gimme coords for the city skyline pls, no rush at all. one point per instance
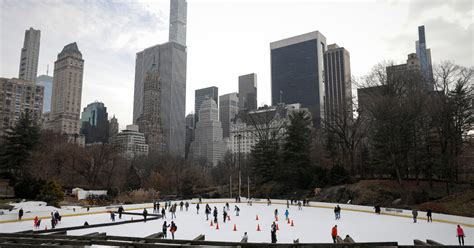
(109, 72)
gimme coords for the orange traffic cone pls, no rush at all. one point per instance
(288, 221)
(258, 228)
(235, 228)
(217, 226)
(292, 223)
(257, 217)
(278, 227)
(228, 217)
(211, 223)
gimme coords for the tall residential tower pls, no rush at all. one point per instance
(248, 91)
(30, 55)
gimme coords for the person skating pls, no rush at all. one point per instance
(145, 214)
(154, 207)
(414, 213)
(377, 209)
(173, 211)
(269, 202)
(299, 205)
(164, 229)
(207, 211)
(338, 212)
(181, 206)
(287, 204)
(186, 205)
(276, 213)
(429, 213)
(237, 210)
(158, 207)
(35, 221)
(163, 213)
(197, 208)
(245, 238)
(112, 216)
(225, 215)
(334, 234)
(273, 233)
(335, 213)
(460, 234)
(287, 214)
(173, 228)
(20, 213)
(227, 206)
(215, 214)
(166, 205)
(120, 211)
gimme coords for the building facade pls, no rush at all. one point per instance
(248, 92)
(338, 86)
(189, 133)
(95, 124)
(200, 95)
(30, 55)
(228, 109)
(67, 91)
(18, 96)
(130, 143)
(47, 82)
(297, 72)
(246, 127)
(113, 129)
(208, 141)
(170, 59)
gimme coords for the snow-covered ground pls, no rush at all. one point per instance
(311, 225)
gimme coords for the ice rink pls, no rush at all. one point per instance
(311, 224)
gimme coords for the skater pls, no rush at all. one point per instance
(227, 206)
(276, 213)
(154, 207)
(200, 199)
(166, 205)
(197, 208)
(245, 238)
(225, 215)
(173, 211)
(269, 202)
(460, 234)
(20, 213)
(145, 213)
(112, 216)
(164, 229)
(173, 228)
(158, 207)
(299, 205)
(414, 212)
(57, 216)
(338, 212)
(88, 209)
(207, 211)
(377, 209)
(163, 213)
(181, 206)
(287, 214)
(237, 210)
(35, 221)
(334, 233)
(335, 213)
(120, 211)
(38, 224)
(53, 223)
(428, 215)
(273, 233)
(215, 214)
(186, 206)
(287, 204)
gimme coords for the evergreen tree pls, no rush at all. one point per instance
(20, 141)
(296, 166)
(52, 193)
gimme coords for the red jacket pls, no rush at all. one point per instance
(460, 231)
(334, 231)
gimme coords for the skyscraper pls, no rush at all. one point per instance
(189, 133)
(47, 82)
(67, 91)
(30, 55)
(170, 59)
(248, 91)
(297, 72)
(95, 123)
(200, 95)
(424, 56)
(337, 70)
(228, 109)
(208, 142)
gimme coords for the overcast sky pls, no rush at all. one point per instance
(225, 39)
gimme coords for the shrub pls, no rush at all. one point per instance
(52, 193)
(28, 188)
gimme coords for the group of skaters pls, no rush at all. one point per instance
(429, 215)
(55, 219)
